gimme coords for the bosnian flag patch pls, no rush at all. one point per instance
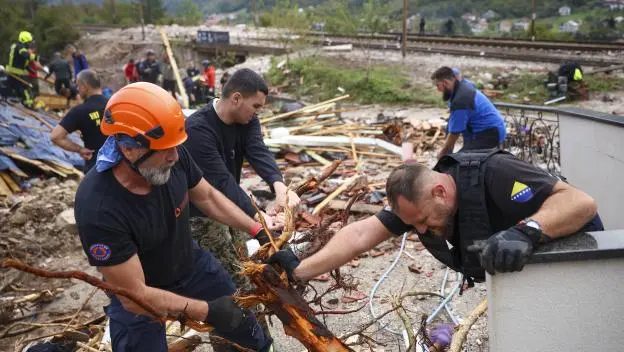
(521, 193)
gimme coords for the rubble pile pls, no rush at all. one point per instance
(39, 223)
(320, 133)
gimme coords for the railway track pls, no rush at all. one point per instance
(498, 48)
(485, 41)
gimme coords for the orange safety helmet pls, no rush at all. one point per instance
(147, 113)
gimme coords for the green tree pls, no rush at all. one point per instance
(153, 11)
(12, 23)
(53, 29)
(286, 15)
(188, 13)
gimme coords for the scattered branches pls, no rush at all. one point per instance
(314, 181)
(92, 280)
(459, 337)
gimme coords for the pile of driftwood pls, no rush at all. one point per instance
(320, 133)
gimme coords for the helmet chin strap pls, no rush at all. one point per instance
(135, 165)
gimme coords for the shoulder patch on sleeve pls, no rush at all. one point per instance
(521, 193)
(100, 252)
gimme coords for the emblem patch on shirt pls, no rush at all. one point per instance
(521, 193)
(100, 251)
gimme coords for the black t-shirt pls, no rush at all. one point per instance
(220, 149)
(114, 223)
(514, 190)
(86, 118)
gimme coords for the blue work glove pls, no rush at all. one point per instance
(225, 315)
(287, 260)
(508, 250)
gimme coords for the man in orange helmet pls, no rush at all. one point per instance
(133, 220)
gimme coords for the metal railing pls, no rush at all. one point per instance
(533, 134)
(533, 131)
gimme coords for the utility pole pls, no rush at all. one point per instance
(253, 9)
(533, 17)
(404, 37)
(142, 21)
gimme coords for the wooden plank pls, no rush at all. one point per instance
(10, 182)
(174, 65)
(318, 158)
(65, 169)
(29, 113)
(348, 182)
(303, 109)
(56, 102)
(316, 124)
(36, 163)
(5, 191)
(356, 207)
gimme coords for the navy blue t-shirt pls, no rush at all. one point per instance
(472, 112)
(86, 118)
(114, 224)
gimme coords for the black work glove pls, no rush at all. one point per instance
(263, 237)
(225, 315)
(287, 260)
(508, 250)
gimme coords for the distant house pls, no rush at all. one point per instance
(565, 11)
(505, 26)
(490, 15)
(570, 27)
(479, 27)
(468, 17)
(613, 5)
(521, 25)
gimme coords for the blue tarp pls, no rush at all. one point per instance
(28, 137)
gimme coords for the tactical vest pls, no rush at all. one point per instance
(472, 218)
(18, 59)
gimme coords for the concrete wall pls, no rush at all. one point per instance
(592, 158)
(559, 307)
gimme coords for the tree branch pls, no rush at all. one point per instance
(459, 337)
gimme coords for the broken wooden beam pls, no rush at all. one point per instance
(356, 207)
(309, 108)
(174, 66)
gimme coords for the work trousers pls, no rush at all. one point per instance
(20, 89)
(483, 140)
(207, 281)
(61, 83)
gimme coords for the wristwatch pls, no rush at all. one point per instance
(535, 229)
(532, 223)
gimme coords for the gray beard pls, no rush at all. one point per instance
(156, 176)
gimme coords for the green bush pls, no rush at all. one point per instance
(322, 77)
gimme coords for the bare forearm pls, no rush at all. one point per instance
(169, 302)
(166, 302)
(566, 211)
(349, 242)
(67, 144)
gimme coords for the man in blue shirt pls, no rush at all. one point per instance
(472, 114)
(461, 78)
(80, 61)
